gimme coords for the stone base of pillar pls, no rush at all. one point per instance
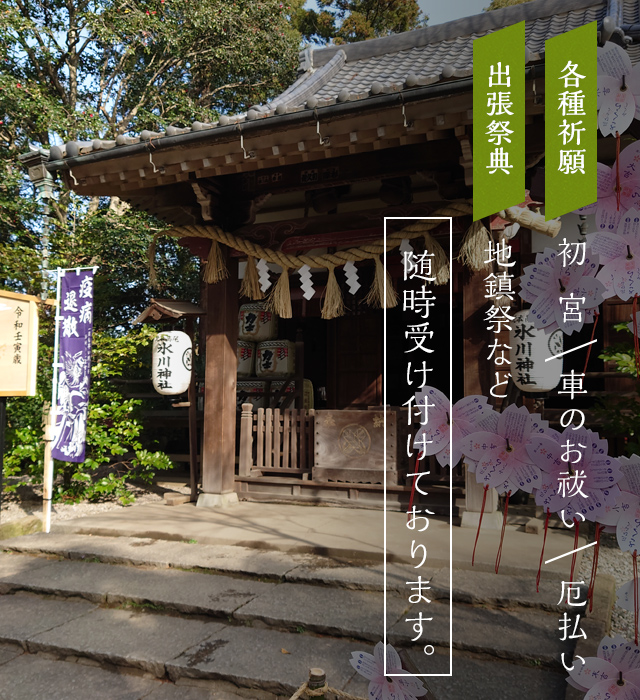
(490, 521)
(217, 500)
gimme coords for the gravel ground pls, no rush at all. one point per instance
(618, 564)
(29, 502)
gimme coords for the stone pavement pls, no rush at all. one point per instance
(149, 617)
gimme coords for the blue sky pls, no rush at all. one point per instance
(446, 10)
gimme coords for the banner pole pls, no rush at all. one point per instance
(51, 419)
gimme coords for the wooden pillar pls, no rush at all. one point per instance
(219, 428)
(193, 422)
(477, 380)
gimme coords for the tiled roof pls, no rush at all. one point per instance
(353, 72)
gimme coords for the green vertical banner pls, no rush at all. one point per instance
(498, 120)
(571, 121)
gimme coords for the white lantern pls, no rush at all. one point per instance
(530, 347)
(171, 362)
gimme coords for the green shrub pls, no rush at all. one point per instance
(115, 453)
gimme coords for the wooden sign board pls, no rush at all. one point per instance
(349, 447)
(18, 344)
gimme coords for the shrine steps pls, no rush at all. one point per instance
(252, 624)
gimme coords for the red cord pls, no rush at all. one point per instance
(594, 566)
(575, 546)
(504, 523)
(635, 596)
(413, 488)
(484, 500)
(617, 171)
(593, 332)
(544, 541)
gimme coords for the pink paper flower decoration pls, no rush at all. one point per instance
(619, 253)
(389, 687)
(549, 280)
(607, 210)
(629, 483)
(577, 474)
(618, 90)
(629, 506)
(628, 498)
(501, 454)
(441, 435)
(618, 662)
(627, 529)
(489, 423)
(629, 509)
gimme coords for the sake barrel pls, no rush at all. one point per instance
(254, 391)
(275, 358)
(246, 358)
(256, 324)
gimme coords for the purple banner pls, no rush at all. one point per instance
(75, 318)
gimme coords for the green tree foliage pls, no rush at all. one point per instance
(85, 69)
(114, 450)
(97, 68)
(344, 21)
(619, 414)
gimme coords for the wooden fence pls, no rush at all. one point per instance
(275, 441)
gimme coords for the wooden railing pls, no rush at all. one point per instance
(275, 441)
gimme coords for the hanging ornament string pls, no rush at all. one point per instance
(504, 524)
(594, 566)
(635, 595)
(215, 273)
(413, 487)
(215, 269)
(618, 188)
(636, 341)
(575, 546)
(544, 542)
(593, 332)
(475, 544)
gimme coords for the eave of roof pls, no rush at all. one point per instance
(232, 132)
(169, 310)
(342, 81)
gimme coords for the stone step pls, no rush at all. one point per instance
(175, 648)
(25, 676)
(298, 607)
(223, 559)
(469, 586)
(185, 650)
(226, 620)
